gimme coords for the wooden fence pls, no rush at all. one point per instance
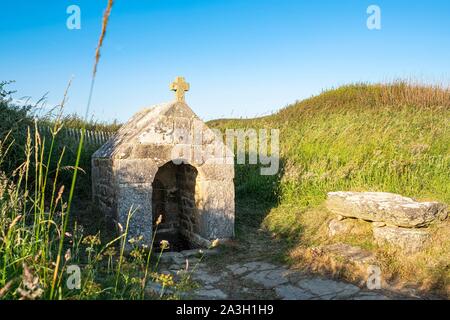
(93, 138)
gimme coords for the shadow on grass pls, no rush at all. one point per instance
(256, 196)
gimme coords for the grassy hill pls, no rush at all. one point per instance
(393, 138)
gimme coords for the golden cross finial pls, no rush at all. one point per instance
(180, 86)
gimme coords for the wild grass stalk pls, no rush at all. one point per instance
(149, 255)
(80, 146)
(122, 249)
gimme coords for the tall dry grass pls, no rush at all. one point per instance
(36, 247)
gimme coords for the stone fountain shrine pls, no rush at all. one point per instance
(168, 173)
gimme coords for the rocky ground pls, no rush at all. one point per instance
(252, 270)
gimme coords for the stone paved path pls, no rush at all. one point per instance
(261, 280)
(252, 270)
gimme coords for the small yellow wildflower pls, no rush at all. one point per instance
(164, 245)
(91, 240)
(166, 280)
(110, 251)
(136, 254)
(215, 243)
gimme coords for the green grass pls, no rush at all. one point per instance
(392, 138)
(40, 238)
(39, 241)
(18, 120)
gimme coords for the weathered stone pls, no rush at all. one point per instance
(217, 172)
(194, 199)
(136, 171)
(167, 257)
(192, 261)
(290, 292)
(337, 227)
(182, 131)
(205, 277)
(175, 267)
(409, 240)
(237, 269)
(197, 253)
(191, 253)
(294, 276)
(157, 153)
(385, 207)
(160, 133)
(134, 201)
(259, 265)
(378, 224)
(180, 260)
(179, 111)
(269, 278)
(328, 289)
(350, 253)
(211, 252)
(211, 294)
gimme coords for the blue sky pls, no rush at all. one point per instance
(241, 57)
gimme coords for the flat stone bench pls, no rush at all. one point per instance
(397, 220)
(389, 208)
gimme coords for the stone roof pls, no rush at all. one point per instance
(153, 125)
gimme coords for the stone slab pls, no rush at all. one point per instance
(290, 292)
(328, 289)
(392, 209)
(350, 253)
(409, 240)
(337, 227)
(269, 278)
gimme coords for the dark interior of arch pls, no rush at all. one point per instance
(173, 199)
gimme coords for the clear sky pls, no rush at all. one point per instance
(241, 57)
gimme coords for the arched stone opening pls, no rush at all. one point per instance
(174, 200)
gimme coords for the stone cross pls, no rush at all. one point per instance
(180, 86)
